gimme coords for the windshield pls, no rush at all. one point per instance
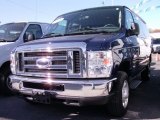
(156, 41)
(90, 20)
(11, 32)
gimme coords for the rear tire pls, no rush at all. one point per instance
(118, 104)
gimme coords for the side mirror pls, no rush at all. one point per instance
(29, 37)
(134, 30)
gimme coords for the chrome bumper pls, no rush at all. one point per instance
(77, 90)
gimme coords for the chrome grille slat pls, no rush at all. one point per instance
(50, 67)
(45, 53)
(53, 58)
(31, 74)
(60, 63)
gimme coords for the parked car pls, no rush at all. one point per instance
(156, 45)
(12, 35)
(90, 57)
(155, 42)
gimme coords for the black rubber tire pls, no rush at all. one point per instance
(5, 82)
(145, 74)
(115, 106)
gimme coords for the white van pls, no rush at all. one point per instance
(155, 42)
(11, 36)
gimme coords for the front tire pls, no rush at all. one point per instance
(6, 87)
(118, 105)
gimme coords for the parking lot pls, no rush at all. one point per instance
(144, 104)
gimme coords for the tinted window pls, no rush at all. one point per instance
(60, 27)
(144, 32)
(35, 30)
(106, 18)
(11, 32)
(129, 20)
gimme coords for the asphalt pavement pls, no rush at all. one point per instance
(144, 104)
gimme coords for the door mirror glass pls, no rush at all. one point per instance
(29, 37)
(135, 29)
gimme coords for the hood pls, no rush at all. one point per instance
(93, 41)
(5, 43)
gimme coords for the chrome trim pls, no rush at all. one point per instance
(50, 67)
(125, 94)
(49, 57)
(76, 46)
(145, 60)
(72, 88)
(52, 46)
(30, 74)
(70, 62)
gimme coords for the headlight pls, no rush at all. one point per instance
(100, 64)
(13, 63)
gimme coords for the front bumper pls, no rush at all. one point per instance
(76, 91)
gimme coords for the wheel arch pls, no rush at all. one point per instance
(5, 66)
(125, 66)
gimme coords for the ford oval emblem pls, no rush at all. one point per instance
(43, 62)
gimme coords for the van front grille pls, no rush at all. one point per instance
(55, 63)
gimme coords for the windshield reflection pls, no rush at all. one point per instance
(11, 31)
(91, 20)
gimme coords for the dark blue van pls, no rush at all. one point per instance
(89, 57)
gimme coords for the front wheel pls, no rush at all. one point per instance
(118, 105)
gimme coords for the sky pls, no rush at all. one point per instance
(48, 10)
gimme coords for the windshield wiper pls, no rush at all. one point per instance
(86, 28)
(89, 30)
(52, 35)
(82, 31)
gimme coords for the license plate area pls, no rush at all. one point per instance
(41, 97)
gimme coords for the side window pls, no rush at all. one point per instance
(35, 30)
(129, 20)
(60, 27)
(144, 32)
